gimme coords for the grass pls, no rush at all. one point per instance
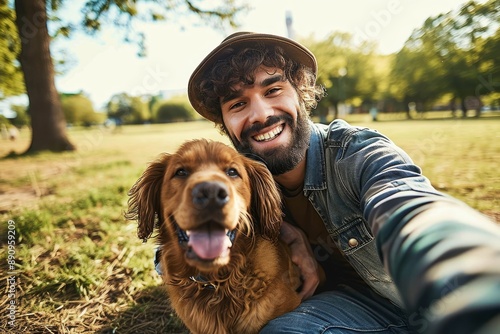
(81, 268)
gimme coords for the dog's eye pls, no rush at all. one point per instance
(232, 172)
(181, 172)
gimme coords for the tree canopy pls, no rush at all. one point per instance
(451, 53)
(11, 79)
(452, 57)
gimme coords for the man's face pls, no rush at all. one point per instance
(265, 119)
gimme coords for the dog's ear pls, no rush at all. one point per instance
(265, 204)
(144, 198)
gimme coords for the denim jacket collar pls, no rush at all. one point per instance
(315, 178)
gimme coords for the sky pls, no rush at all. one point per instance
(103, 65)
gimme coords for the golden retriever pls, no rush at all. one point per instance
(218, 217)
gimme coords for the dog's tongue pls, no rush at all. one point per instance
(208, 244)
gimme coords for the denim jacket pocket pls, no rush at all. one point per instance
(371, 269)
(352, 235)
(358, 246)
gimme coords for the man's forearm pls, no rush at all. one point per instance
(445, 259)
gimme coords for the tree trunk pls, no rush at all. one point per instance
(464, 107)
(336, 109)
(47, 119)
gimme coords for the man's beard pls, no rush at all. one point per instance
(284, 158)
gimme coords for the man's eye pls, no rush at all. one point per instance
(232, 172)
(273, 90)
(181, 172)
(236, 105)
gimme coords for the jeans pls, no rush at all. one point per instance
(344, 310)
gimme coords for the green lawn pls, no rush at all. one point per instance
(81, 268)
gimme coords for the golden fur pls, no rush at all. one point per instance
(246, 284)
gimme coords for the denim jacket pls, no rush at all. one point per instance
(347, 171)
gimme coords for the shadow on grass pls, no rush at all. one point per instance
(14, 155)
(51, 305)
(151, 313)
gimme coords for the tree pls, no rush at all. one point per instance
(416, 76)
(22, 118)
(477, 28)
(489, 80)
(78, 110)
(174, 110)
(47, 118)
(11, 81)
(126, 109)
(346, 69)
(451, 53)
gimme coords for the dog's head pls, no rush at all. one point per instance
(208, 195)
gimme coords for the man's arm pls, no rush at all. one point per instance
(443, 256)
(445, 259)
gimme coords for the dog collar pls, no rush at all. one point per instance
(203, 282)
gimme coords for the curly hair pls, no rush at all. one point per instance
(240, 66)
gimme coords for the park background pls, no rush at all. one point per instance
(426, 74)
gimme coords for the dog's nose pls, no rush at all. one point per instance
(210, 194)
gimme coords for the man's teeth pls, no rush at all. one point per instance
(269, 135)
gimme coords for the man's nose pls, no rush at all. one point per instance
(260, 110)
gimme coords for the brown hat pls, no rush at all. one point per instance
(294, 50)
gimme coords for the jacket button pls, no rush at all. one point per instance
(353, 242)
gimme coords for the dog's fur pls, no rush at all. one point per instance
(207, 186)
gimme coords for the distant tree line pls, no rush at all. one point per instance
(126, 109)
(121, 109)
(452, 61)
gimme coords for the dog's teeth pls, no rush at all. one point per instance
(188, 232)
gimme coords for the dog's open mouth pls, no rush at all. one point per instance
(209, 242)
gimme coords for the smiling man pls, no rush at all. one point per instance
(255, 127)
(358, 211)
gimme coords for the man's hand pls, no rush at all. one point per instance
(303, 257)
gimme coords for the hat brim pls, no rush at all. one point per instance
(240, 40)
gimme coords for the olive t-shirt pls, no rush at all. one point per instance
(337, 269)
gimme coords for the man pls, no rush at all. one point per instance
(354, 202)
